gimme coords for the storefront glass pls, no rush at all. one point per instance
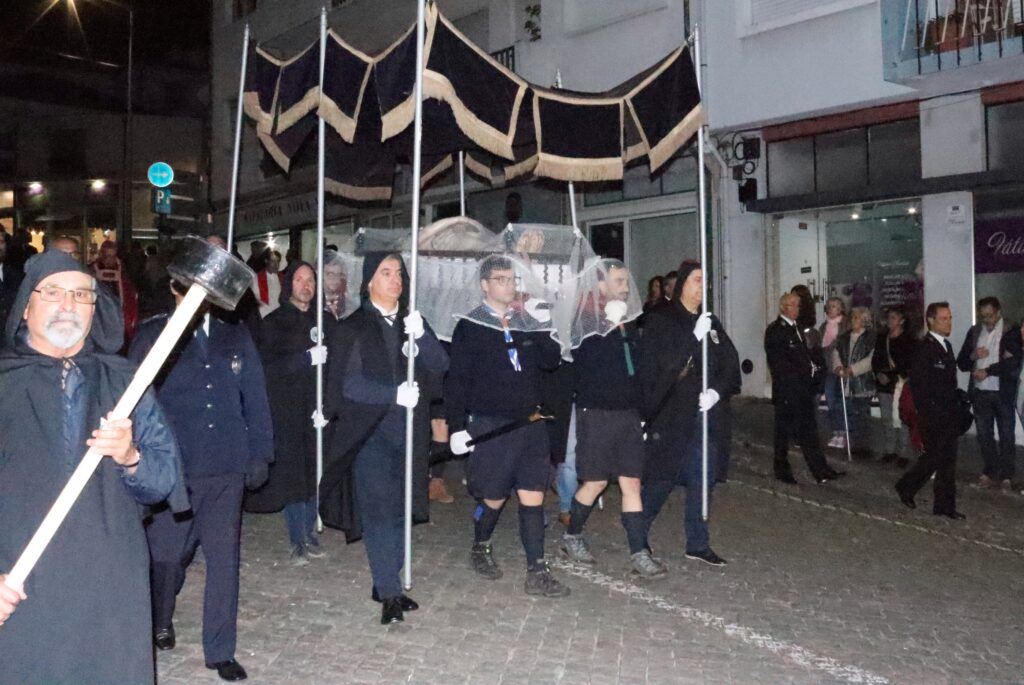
(999, 248)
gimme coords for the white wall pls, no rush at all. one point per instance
(952, 135)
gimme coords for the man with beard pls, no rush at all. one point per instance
(670, 379)
(494, 381)
(214, 393)
(86, 617)
(795, 374)
(290, 355)
(367, 396)
(609, 435)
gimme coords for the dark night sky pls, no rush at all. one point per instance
(167, 32)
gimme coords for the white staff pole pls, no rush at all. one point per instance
(702, 213)
(320, 271)
(846, 419)
(410, 366)
(238, 141)
(462, 183)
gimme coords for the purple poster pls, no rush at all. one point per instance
(999, 246)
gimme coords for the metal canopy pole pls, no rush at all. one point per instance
(320, 272)
(702, 213)
(238, 142)
(462, 183)
(410, 366)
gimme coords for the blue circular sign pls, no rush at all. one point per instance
(160, 174)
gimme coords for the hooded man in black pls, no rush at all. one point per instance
(366, 400)
(87, 616)
(290, 353)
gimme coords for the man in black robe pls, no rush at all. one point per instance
(366, 399)
(670, 378)
(87, 616)
(290, 354)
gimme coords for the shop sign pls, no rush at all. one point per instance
(999, 246)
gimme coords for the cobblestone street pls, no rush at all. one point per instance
(825, 584)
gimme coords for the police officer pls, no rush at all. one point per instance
(214, 394)
(494, 382)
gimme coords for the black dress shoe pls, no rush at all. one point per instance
(164, 639)
(906, 500)
(391, 611)
(831, 474)
(229, 670)
(955, 515)
(407, 602)
(785, 478)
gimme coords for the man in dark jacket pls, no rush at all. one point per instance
(86, 618)
(670, 378)
(367, 399)
(494, 382)
(991, 353)
(214, 393)
(795, 376)
(290, 354)
(933, 384)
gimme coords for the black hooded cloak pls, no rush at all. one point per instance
(87, 616)
(358, 356)
(285, 336)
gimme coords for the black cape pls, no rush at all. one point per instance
(291, 389)
(87, 616)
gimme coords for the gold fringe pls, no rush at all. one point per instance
(480, 169)
(338, 120)
(522, 168)
(444, 165)
(492, 140)
(251, 106)
(357, 193)
(578, 170)
(676, 138)
(275, 152)
(644, 146)
(300, 109)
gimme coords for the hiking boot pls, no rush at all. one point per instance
(483, 561)
(438, 492)
(646, 566)
(539, 581)
(574, 547)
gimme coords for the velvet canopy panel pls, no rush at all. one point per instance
(507, 127)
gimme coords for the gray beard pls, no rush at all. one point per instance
(67, 335)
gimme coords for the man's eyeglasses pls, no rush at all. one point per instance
(55, 293)
(503, 280)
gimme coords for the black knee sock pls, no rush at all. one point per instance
(578, 515)
(485, 519)
(438, 449)
(531, 530)
(636, 530)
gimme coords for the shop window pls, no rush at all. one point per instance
(791, 167)
(841, 160)
(1006, 136)
(894, 153)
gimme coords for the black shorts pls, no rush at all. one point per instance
(519, 460)
(609, 444)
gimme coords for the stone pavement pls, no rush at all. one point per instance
(826, 584)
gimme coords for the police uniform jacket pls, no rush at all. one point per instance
(795, 369)
(214, 392)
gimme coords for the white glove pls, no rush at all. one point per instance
(408, 395)
(318, 419)
(703, 325)
(615, 311)
(539, 309)
(708, 399)
(405, 349)
(459, 443)
(414, 324)
(317, 355)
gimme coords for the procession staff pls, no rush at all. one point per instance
(366, 401)
(214, 393)
(670, 377)
(609, 435)
(494, 382)
(83, 615)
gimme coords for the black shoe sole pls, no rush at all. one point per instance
(709, 563)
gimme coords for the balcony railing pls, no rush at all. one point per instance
(507, 57)
(928, 36)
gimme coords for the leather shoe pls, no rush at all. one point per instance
(229, 670)
(906, 500)
(955, 515)
(391, 611)
(786, 478)
(831, 474)
(407, 603)
(164, 639)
